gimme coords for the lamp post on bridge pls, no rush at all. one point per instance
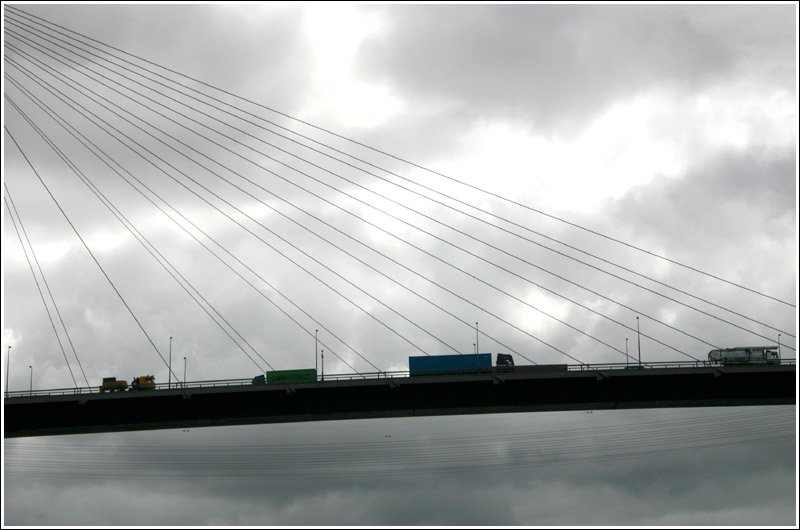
(626, 352)
(184, 372)
(169, 376)
(322, 363)
(316, 352)
(31, 388)
(639, 339)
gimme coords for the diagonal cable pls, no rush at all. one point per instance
(409, 163)
(94, 149)
(151, 249)
(113, 286)
(454, 229)
(35, 279)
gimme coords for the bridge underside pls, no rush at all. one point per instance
(400, 397)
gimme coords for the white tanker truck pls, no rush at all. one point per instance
(745, 355)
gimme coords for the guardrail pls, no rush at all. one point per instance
(360, 376)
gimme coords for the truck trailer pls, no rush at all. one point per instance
(448, 364)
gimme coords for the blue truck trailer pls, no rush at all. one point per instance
(449, 364)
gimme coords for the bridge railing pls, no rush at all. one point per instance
(359, 376)
(637, 366)
(211, 383)
(363, 375)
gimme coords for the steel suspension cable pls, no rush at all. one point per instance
(392, 235)
(567, 299)
(456, 267)
(94, 149)
(444, 224)
(436, 257)
(113, 286)
(36, 280)
(376, 251)
(146, 159)
(145, 242)
(378, 271)
(355, 142)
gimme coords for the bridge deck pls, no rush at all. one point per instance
(37, 415)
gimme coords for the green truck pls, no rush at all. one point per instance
(291, 376)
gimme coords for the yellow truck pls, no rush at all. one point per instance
(144, 382)
(110, 384)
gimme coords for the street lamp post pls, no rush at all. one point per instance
(31, 389)
(322, 364)
(639, 339)
(169, 375)
(626, 352)
(476, 338)
(184, 372)
(316, 351)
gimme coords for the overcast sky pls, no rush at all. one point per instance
(671, 128)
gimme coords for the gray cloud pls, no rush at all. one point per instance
(270, 44)
(555, 66)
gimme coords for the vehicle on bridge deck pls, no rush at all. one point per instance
(110, 384)
(505, 363)
(305, 375)
(450, 364)
(144, 382)
(745, 355)
(475, 363)
(539, 369)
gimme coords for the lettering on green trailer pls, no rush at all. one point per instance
(292, 376)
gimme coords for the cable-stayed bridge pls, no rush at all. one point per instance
(83, 116)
